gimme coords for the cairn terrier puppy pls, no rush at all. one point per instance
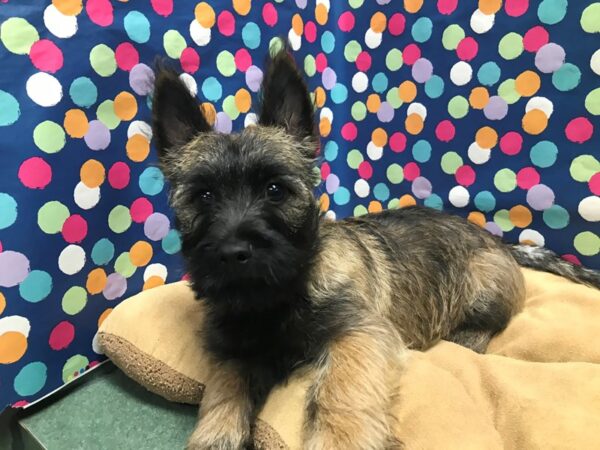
(285, 289)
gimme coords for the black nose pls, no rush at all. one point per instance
(235, 252)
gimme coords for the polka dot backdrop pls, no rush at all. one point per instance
(489, 110)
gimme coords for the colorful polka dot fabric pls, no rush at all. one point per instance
(489, 109)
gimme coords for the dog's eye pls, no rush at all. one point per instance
(206, 196)
(276, 192)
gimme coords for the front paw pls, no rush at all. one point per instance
(204, 438)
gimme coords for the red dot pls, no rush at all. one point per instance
(321, 62)
(100, 12)
(243, 60)
(118, 175)
(412, 171)
(465, 175)
(75, 229)
(325, 170)
(396, 24)
(269, 14)
(226, 23)
(411, 53)
(467, 49)
(346, 21)
(572, 259)
(127, 56)
(511, 143)
(162, 7)
(527, 177)
(190, 60)
(46, 56)
(140, 210)
(398, 142)
(516, 8)
(445, 131)
(310, 31)
(363, 61)
(35, 173)
(349, 131)
(535, 39)
(594, 183)
(365, 170)
(447, 7)
(61, 335)
(579, 130)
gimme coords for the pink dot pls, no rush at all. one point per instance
(579, 130)
(396, 24)
(535, 39)
(162, 7)
(186, 277)
(127, 56)
(411, 53)
(572, 259)
(61, 335)
(140, 210)
(412, 171)
(269, 14)
(118, 175)
(447, 7)
(243, 60)
(1, 247)
(363, 61)
(594, 183)
(226, 23)
(365, 170)
(325, 170)
(445, 131)
(100, 12)
(511, 143)
(310, 31)
(190, 60)
(527, 177)
(346, 21)
(35, 173)
(46, 56)
(75, 229)
(321, 62)
(467, 49)
(516, 8)
(398, 142)
(465, 175)
(349, 131)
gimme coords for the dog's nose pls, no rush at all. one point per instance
(235, 252)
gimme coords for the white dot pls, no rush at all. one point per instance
(199, 34)
(155, 270)
(325, 3)
(330, 215)
(294, 40)
(482, 23)
(44, 89)
(360, 82)
(190, 83)
(328, 113)
(541, 103)
(71, 260)
(15, 323)
(479, 155)
(374, 152)
(86, 197)
(361, 188)
(251, 119)
(529, 235)
(459, 196)
(96, 346)
(140, 127)
(595, 62)
(58, 24)
(372, 38)
(589, 208)
(418, 109)
(461, 73)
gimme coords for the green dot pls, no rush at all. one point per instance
(450, 162)
(106, 114)
(355, 3)
(508, 92)
(395, 173)
(276, 44)
(590, 18)
(556, 217)
(316, 176)
(452, 35)
(510, 46)
(119, 219)
(360, 210)
(358, 111)
(310, 66)
(584, 167)
(103, 61)
(505, 180)
(351, 51)
(226, 63)
(592, 102)
(74, 300)
(52, 216)
(230, 108)
(124, 266)
(73, 365)
(49, 137)
(543, 154)
(354, 159)
(394, 204)
(587, 243)
(458, 107)
(393, 98)
(502, 219)
(393, 59)
(567, 77)
(174, 43)
(18, 35)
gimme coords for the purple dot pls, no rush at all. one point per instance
(421, 187)
(329, 78)
(97, 136)
(156, 226)
(223, 123)
(141, 79)
(301, 4)
(493, 228)
(422, 70)
(496, 109)
(385, 113)
(332, 183)
(14, 268)
(383, 2)
(540, 197)
(549, 58)
(254, 78)
(116, 285)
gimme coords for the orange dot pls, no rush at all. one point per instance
(210, 114)
(479, 98)
(375, 207)
(13, 346)
(486, 137)
(76, 123)
(414, 124)
(324, 202)
(379, 137)
(373, 103)
(520, 216)
(378, 22)
(242, 7)
(68, 7)
(321, 14)
(96, 281)
(535, 121)
(92, 173)
(528, 83)
(140, 253)
(205, 15)
(137, 147)
(407, 91)
(152, 282)
(297, 24)
(103, 316)
(125, 106)
(243, 101)
(477, 218)
(490, 6)
(2, 302)
(406, 200)
(324, 127)
(319, 97)
(413, 6)
(528, 242)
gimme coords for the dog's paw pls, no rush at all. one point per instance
(232, 442)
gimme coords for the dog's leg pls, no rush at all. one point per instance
(348, 406)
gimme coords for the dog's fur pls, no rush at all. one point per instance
(345, 299)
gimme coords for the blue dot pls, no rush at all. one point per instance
(434, 87)
(251, 35)
(379, 82)
(489, 73)
(421, 151)
(152, 181)
(341, 197)
(485, 201)
(8, 210)
(421, 29)
(551, 12)
(171, 243)
(103, 252)
(556, 217)
(339, 94)
(30, 379)
(9, 109)
(36, 287)
(83, 92)
(331, 151)
(543, 154)
(328, 42)
(434, 201)
(381, 192)
(212, 89)
(567, 77)
(137, 27)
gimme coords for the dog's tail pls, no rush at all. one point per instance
(540, 258)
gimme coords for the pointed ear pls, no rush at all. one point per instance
(285, 99)
(176, 115)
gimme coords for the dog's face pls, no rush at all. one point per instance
(243, 202)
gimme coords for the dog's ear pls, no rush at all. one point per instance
(176, 115)
(285, 99)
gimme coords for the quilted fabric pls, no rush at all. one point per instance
(488, 109)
